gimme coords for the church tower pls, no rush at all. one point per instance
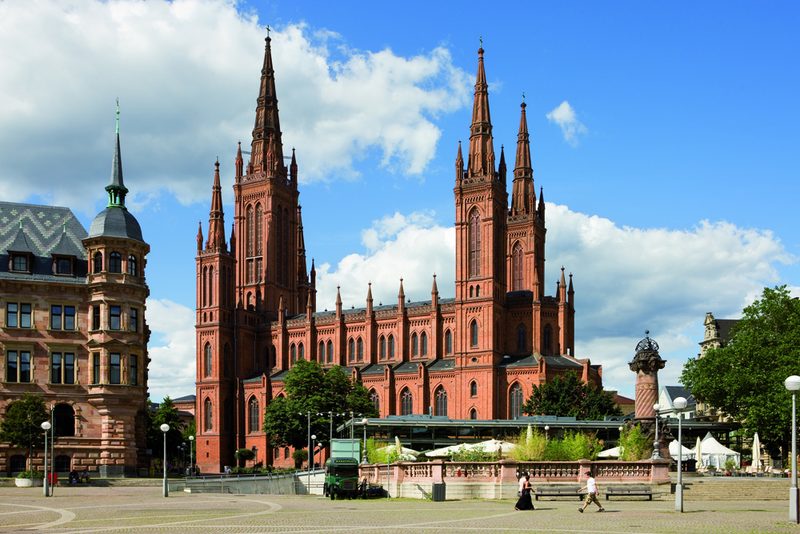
(270, 260)
(215, 345)
(481, 205)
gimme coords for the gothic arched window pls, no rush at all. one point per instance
(382, 348)
(207, 359)
(473, 333)
(293, 353)
(301, 352)
(391, 346)
(211, 285)
(473, 389)
(474, 230)
(250, 223)
(515, 401)
(360, 350)
(259, 230)
(208, 415)
(423, 344)
(547, 345)
(522, 338)
(414, 345)
(448, 342)
(253, 415)
(473, 414)
(406, 402)
(330, 351)
(440, 397)
(321, 352)
(516, 268)
(351, 350)
(375, 400)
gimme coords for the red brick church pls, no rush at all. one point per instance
(475, 356)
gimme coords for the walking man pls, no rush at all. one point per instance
(591, 493)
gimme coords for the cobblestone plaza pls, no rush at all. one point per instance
(143, 509)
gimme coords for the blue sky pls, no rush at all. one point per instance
(665, 137)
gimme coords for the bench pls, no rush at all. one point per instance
(629, 489)
(558, 490)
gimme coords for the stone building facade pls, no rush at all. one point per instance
(73, 329)
(474, 356)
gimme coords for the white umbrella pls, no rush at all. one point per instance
(492, 445)
(698, 453)
(445, 451)
(610, 453)
(673, 450)
(755, 467)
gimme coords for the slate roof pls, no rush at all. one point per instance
(116, 221)
(44, 229)
(673, 392)
(519, 361)
(442, 365)
(186, 398)
(724, 327)
(374, 369)
(561, 361)
(406, 368)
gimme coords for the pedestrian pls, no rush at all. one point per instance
(591, 493)
(522, 481)
(524, 502)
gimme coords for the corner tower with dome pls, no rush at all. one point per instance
(73, 330)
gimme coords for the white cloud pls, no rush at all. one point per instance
(186, 73)
(172, 349)
(565, 117)
(627, 280)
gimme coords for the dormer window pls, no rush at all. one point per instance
(20, 263)
(63, 265)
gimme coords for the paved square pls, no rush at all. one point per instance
(142, 509)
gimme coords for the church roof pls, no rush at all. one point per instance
(442, 365)
(116, 221)
(724, 327)
(406, 368)
(561, 361)
(374, 369)
(519, 361)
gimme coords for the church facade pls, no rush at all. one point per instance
(474, 356)
(73, 331)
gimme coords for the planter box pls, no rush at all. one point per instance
(28, 482)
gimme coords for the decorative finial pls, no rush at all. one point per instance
(647, 333)
(117, 119)
(268, 30)
(480, 38)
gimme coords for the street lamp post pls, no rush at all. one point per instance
(164, 429)
(364, 455)
(191, 454)
(546, 431)
(313, 445)
(46, 427)
(656, 447)
(679, 404)
(793, 384)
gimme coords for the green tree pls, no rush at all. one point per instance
(310, 388)
(166, 413)
(22, 424)
(745, 378)
(567, 395)
(634, 444)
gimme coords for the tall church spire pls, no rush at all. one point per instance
(523, 196)
(267, 148)
(481, 150)
(216, 217)
(116, 189)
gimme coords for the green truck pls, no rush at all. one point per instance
(341, 478)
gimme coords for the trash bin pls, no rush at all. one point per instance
(438, 492)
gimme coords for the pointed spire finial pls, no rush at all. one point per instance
(117, 120)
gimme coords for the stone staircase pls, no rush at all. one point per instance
(735, 488)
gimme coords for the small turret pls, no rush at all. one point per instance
(459, 165)
(199, 236)
(501, 168)
(401, 298)
(338, 302)
(239, 163)
(369, 298)
(293, 168)
(434, 293)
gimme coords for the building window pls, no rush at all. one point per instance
(18, 366)
(406, 402)
(63, 265)
(115, 262)
(115, 317)
(516, 268)
(63, 463)
(547, 348)
(207, 358)
(293, 353)
(64, 420)
(133, 376)
(114, 368)
(473, 333)
(18, 315)
(423, 344)
(522, 336)
(97, 262)
(375, 400)
(132, 270)
(301, 352)
(62, 317)
(473, 414)
(62, 368)
(321, 352)
(473, 389)
(253, 415)
(515, 402)
(330, 351)
(351, 350)
(133, 320)
(448, 342)
(474, 230)
(95, 368)
(414, 345)
(360, 350)
(440, 398)
(20, 263)
(391, 346)
(208, 421)
(96, 317)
